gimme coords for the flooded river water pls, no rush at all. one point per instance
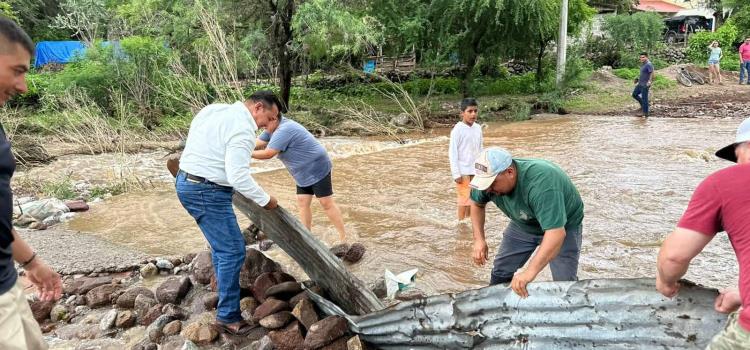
(635, 178)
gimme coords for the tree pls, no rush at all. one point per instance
(86, 18)
(641, 31)
(7, 11)
(506, 28)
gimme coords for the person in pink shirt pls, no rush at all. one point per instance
(720, 203)
(745, 61)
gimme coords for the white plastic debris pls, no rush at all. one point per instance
(395, 283)
(45, 208)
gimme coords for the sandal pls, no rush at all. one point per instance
(244, 329)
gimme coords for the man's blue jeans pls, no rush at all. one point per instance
(745, 68)
(640, 94)
(211, 207)
(517, 246)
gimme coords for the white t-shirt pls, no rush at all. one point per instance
(219, 148)
(465, 146)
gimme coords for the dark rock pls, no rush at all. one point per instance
(188, 258)
(83, 285)
(277, 320)
(102, 295)
(47, 327)
(284, 290)
(203, 267)
(410, 294)
(77, 205)
(288, 338)
(265, 245)
(264, 343)
(172, 328)
(176, 261)
(250, 234)
(41, 309)
(269, 307)
(339, 250)
(155, 335)
(210, 300)
(155, 330)
(143, 303)
(199, 334)
(261, 284)
(338, 344)
(173, 290)
(255, 264)
(151, 315)
(378, 288)
(125, 319)
(325, 332)
(355, 253)
(151, 346)
(305, 313)
(127, 299)
(174, 311)
(248, 304)
(297, 298)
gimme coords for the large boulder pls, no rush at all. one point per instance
(127, 300)
(269, 307)
(325, 331)
(203, 267)
(41, 309)
(83, 285)
(102, 295)
(199, 334)
(173, 290)
(289, 338)
(255, 264)
(277, 320)
(305, 313)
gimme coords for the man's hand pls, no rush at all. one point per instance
(519, 282)
(480, 252)
(635, 81)
(459, 179)
(46, 280)
(668, 290)
(272, 204)
(728, 301)
(648, 84)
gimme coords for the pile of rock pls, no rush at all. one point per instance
(517, 67)
(672, 55)
(42, 213)
(180, 312)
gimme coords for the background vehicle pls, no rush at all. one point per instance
(678, 28)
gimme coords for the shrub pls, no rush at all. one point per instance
(641, 31)
(519, 110)
(697, 50)
(630, 74)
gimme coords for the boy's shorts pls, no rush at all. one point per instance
(463, 191)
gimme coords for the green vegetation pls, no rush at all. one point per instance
(660, 82)
(727, 36)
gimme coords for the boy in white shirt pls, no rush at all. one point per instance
(465, 146)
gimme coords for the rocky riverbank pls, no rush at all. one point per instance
(169, 303)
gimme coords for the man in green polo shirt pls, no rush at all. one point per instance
(544, 208)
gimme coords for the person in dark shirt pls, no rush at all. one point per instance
(643, 84)
(18, 329)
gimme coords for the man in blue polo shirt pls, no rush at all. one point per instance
(308, 163)
(643, 84)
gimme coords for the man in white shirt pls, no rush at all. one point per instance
(464, 147)
(216, 162)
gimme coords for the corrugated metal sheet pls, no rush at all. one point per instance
(602, 314)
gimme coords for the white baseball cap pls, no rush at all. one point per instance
(743, 135)
(489, 163)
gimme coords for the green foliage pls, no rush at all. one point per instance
(518, 84)
(327, 30)
(630, 74)
(727, 35)
(741, 19)
(6, 10)
(60, 189)
(641, 31)
(519, 110)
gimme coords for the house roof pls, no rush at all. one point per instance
(658, 6)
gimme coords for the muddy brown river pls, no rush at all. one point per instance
(635, 177)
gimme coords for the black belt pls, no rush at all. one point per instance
(197, 178)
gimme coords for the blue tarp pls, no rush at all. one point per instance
(57, 52)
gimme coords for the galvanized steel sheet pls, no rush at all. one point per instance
(601, 314)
